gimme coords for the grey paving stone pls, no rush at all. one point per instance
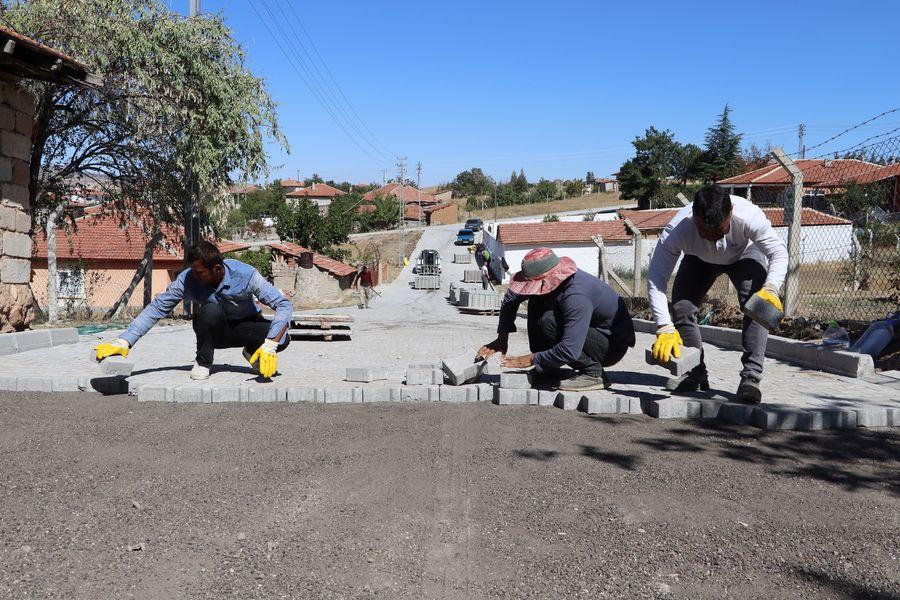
(599, 404)
(515, 380)
(334, 395)
(8, 344)
(33, 340)
(449, 393)
(512, 397)
(419, 393)
(226, 394)
(424, 377)
(690, 358)
(381, 394)
(425, 365)
(486, 392)
(63, 335)
(893, 415)
(736, 413)
(710, 409)
(8, 383)
(831, 418)
(872, 416)
(305, 394)
(67, 384)
(186, 393)
(780, 417)
(462, 368)
(547, 397)
(34, 384)
(533, 397)
(116, 365)
(568, 400)
(365, 375)
(675, 408)
(156, 393)
(493, 368)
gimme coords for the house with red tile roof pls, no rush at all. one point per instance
(310, 279)
(410, 197)
(320, 194)
(97, 258)
(291, 185)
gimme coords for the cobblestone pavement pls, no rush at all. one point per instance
(408, 326)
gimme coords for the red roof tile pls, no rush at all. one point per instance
(408, 194)
(816, 171)
(411, 210)
(655, 220)
(871, 176)
(291, 183)
(561, 232)
(101, 237)
(316, 190)
(323, 262)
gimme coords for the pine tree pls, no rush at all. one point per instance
(722, 155)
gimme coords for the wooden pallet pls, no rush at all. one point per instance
(479, 311)
(321, 326)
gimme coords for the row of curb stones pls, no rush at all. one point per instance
(23, 341)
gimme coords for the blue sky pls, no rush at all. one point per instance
(560, 88)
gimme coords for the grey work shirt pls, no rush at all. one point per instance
(582, 301)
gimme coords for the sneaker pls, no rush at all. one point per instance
(199, 372)
(748, 391)
(690, 382)
(253, 365)
(584, 383)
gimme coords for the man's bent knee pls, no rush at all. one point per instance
(209, 315)
(548, 322)
(684, 311)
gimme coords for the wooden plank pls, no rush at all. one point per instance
(318, 334)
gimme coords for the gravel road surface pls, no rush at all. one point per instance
(103, 497)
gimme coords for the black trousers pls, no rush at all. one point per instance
(215, 331)
(544, 332)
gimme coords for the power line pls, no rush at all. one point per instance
(857, 126)
(312, 91)
(324, 86)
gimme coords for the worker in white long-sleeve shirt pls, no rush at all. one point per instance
(717, 233)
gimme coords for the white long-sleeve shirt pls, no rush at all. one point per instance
(750, 236)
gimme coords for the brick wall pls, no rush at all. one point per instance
(16, 122)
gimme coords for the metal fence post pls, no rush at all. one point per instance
(793, 213)
(636, 277)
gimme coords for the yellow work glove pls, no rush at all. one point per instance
(267, 355)
(770, 295)
(116, 347)
(668, 343)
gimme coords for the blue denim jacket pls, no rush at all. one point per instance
(235, 295)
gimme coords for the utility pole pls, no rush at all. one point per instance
(190, 209)
(383, 177)
(401, 167)
(801, 129)
(419, 189)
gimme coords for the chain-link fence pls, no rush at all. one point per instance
(847, 253)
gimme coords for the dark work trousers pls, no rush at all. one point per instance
(694, 279)
(544, 332)
(215, 331)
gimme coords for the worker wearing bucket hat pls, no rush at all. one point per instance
(574, 320)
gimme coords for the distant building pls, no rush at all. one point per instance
(434, 211)
(321, 194)
(310, 279)
(606, 184)
(291, 185)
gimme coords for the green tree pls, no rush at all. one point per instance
(301, 223)
(643, 176)
(687, 164)
(590, 178)
(472, 183)
(550, 218)
(265, 201)
(261, 260)
(384, 216)
(544, 191)
(722, 154)
(574, 188)
(521, 183)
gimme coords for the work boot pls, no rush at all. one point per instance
(253, 365)
(690, 382)
(199, 372)
(585, 382)
(748, 391)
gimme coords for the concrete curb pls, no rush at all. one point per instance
(804, 354)
(23, 341)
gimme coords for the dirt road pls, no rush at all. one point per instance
(433, 501)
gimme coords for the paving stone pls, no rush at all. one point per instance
(515, 380)
(33, 340)
(710, 409)
(493, 368)
(831, 418)
(449, 393)
(8, 344)
(462, 369)
(335, 395)
(486, 392)
(34, 384)
(186, 393)
(599, 404)
(736, 413)
(780, 417)
(63, 335)
(690, 358)
(381, 394)
(305, 394)
(366, 375)
(419, 393)
(425, 365)
(547, 397)
(156, 393)
(568, 400)
(675, 408)
(424, 377)
(517, 397)
(109, 385)
(224, 394)
(872, 416)
(67, 384)
(115, 365)
(893, 415)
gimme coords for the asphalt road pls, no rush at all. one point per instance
(434, 501)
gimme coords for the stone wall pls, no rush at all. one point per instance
(16, 123)
(311, 288)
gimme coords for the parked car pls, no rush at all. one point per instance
(465, 237)
(475, 224)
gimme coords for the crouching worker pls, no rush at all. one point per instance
(574, 319)
(227, 318)
(717, 234)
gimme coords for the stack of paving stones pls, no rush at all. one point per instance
(456, 289)
(427, 282)
(471, 276)
(479, 300)
(462, 259)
